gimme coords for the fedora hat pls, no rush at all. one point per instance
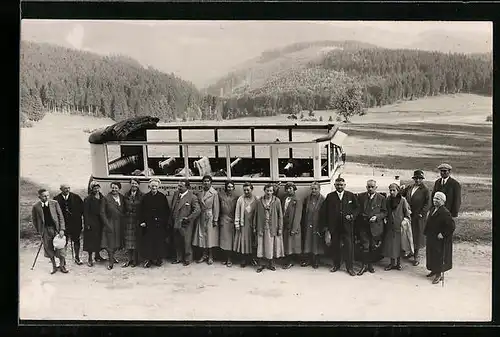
(418, 174)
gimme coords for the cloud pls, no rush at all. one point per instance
(75, 36)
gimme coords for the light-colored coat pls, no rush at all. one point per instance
(48, 235)
(292, 234)
(206, 234)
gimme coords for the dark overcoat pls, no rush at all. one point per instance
(113, 217)
(313, 241)
(72, 211)
(377, 208)
(333, 213)
(420, 203)
(155, 212)
(131, 229)
(452, 190)
(439, 252)
(93, 223)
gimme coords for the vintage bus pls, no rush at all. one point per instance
(259, 154)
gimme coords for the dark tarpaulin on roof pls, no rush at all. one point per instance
(123, 130)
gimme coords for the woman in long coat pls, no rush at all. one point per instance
(292, 216)
(313, 240)
(93, 223)
(133, 199)
(227, 200)
(243, 224)
(268, 223)
(112, 210)
(398, 215)
(206, 234)
(439, 233)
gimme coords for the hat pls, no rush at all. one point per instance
(59, 242)
(444, 166)
(418, 174)
(94, 183)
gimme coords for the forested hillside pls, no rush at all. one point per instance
(54, 78)
(383, 76)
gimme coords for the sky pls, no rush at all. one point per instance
(201, 51)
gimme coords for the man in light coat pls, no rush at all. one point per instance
(48, 220)
(185, 210)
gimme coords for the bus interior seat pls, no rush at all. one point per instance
(203, 166)
(123, 164)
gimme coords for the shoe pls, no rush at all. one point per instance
(315, 265)
(288, 266)
(398, 267)
(158, 263)
(78, 262)
(431, 274)
(351, 272)
(133, 264)
(260, 269)
(254, 262)
(110, 266)
(210, 261)
(229, 264)
(224, 262)
(370, 269)
(99, 258)
(147, 264)
(364, 269)
(176, 261)
(203, 259)
(271, 267)
(243, 264)
(334, 269)
(389, 267)
(416, 263)
(437, 279)
(90, 263)
(115, 260)
(186, 263)
(304, 264)
(54, 270)
(126, 264)
(63, 269)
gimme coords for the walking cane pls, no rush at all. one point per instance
(37, 253)
(442, 267)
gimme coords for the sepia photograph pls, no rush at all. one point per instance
(294, 171)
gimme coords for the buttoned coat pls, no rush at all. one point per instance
(113, 218)
(334, 211)
(206, 235)
(313, 241)
(439, 252)
(73, 215)
(186, 207)
(292, 234)
(420, 203)
(452, 190)
(378, 208)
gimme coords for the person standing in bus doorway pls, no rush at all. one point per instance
(370, 223)
(72, 208)
(451, 188)
(112, 212)
(154, 218)
(185, 210)
(243, 237)
(133, 199)
(292, 233)
(227, 200)
(311, 233)
(338, 214)
(48, 220)
(93, 223)
(418, 196)
(268, 224)
(206, 235)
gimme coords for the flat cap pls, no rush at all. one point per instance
(444, 166)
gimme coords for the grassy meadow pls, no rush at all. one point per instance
(394, 140)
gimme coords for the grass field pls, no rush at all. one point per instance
(395, 139)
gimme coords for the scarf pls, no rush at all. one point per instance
(394, 201)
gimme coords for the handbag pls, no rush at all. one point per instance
(328, 238)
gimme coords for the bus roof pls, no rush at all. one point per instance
(135, 129)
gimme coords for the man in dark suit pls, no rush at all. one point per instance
(418, 196)
(451, 188)
(185, 210)
(72, 207)
(48, 220)
(370, 222)
(337, 214)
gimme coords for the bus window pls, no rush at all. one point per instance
(244, 166)
(202, 161)
(164, 159)
(125, 159)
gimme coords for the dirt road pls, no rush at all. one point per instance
(202, 292)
